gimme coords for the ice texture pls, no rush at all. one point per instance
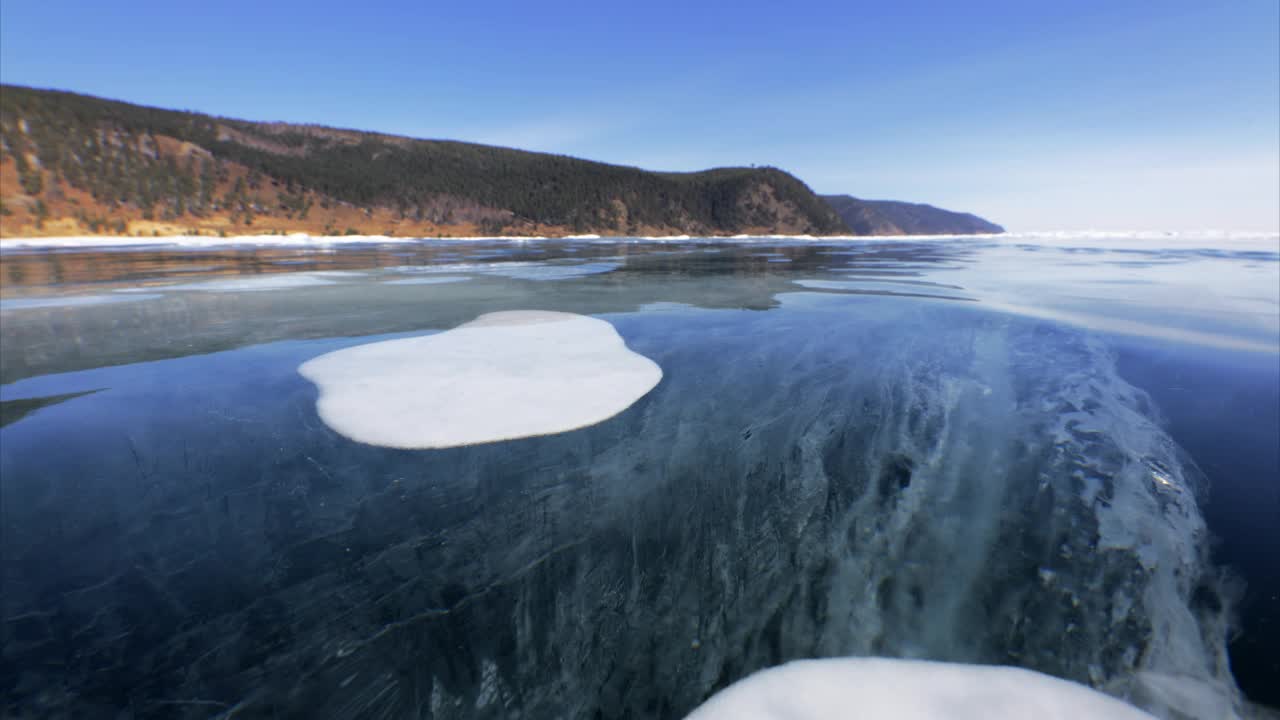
(841, 476)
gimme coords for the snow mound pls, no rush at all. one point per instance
(884, 689)
(502, 376)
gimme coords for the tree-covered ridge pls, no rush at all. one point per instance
(183, 166)
(891, 217)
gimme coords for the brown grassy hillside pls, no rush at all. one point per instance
(72, 164)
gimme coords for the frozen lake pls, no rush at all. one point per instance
(362, 481)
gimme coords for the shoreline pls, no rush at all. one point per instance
(1208, 239)
(307, 240)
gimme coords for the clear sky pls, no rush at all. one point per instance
(1037, 115)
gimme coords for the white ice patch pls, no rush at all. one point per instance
(884, 689)
(502, 376)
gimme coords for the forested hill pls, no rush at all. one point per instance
(889, 217)
(72, 164)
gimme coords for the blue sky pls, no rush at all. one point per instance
(1038, 115)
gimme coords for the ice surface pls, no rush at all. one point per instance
(504, 375)
(887, 689)
(532, 271)
(440, 280)
(517, 269)
(1182, 696)
(881, 286)
(71, 301)
(821, 475)
(262, 283)
(1138, 328)
(335, 274)
(1216, 240)
(1127, 289)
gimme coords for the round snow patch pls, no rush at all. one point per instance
(502, 376)
(883, 689)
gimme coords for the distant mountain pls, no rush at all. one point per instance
(889, 217)
(74, 164)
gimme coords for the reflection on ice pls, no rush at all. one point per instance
(335, 274)
(880, 287)
(277, 281)
(517, 270)
(531, 271)
(439, 280)
(1140, 328)
(15, 409)
(1236, 298)
(71, 301)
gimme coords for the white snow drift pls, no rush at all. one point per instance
(884, 689)
(502, 376)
